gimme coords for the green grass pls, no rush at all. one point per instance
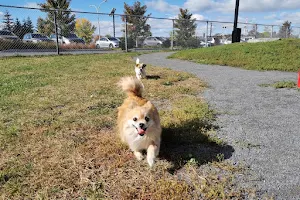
(282, 55)
(58, 138)
(281, 84)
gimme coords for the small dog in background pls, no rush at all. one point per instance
(138, 121)
(140, 71)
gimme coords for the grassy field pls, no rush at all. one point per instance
(58, 138)
(282, 55)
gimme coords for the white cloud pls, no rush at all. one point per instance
(31, 5)
(271, 17)
(291, 17)
(198, 17)
(269, 5)
(162, 6)
(247, 6)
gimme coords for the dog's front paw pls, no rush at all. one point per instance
(138, 155)
(151, 161)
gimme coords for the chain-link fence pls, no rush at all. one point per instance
(51, 30)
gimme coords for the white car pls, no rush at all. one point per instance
(105, 42)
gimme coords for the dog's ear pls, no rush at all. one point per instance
(148, 104)
(137, 61)
(144, 65)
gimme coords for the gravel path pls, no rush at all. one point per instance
(261, 123)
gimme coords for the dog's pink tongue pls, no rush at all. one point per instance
(141, 131)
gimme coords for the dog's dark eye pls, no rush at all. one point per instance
(147, 119)
(134, 119)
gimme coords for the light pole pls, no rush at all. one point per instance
(97, 9)
(236, 33)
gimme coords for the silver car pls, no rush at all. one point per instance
(8, 35)
(152, 41)
(35, 38)
(109, 42)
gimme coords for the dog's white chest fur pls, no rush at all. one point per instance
(135, 141)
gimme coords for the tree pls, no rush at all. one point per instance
(186, 28)
(285, 30)
(253, 31)
(84, 29)
(27, 25)
(65, 20)
(267, 32)
(137, 21)
(21, 29)
(17, 29)
(8, 21)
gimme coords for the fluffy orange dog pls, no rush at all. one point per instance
(138, 121)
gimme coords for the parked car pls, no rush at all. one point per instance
(53, 37)
(203, 44)
(152, 41)
(72, 38)
(8, 35)
(105, 42)
(35, 38)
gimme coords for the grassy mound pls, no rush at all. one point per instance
(282, 55)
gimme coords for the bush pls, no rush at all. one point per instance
(78, 46)
(130, 43)
(192, 42)
(166, 43)
(7, 44)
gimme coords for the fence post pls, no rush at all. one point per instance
(114, 26)
(272, 31)
(255, 35)
(56, 32)
(206, 35)
(126, 47)
(172, 38)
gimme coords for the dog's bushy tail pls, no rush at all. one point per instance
(132, 86)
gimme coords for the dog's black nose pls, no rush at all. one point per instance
(141, 125)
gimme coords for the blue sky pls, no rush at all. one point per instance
(252, 11)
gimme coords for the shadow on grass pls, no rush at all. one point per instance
(188, 142)
(153, 77)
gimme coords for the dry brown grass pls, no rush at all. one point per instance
(58, 139)
(78, 46)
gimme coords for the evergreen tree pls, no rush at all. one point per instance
(285, 30)
(65, 20)
(186, 28)
(27, 25)
(8, 21)
(17, 29)
(137, 25)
